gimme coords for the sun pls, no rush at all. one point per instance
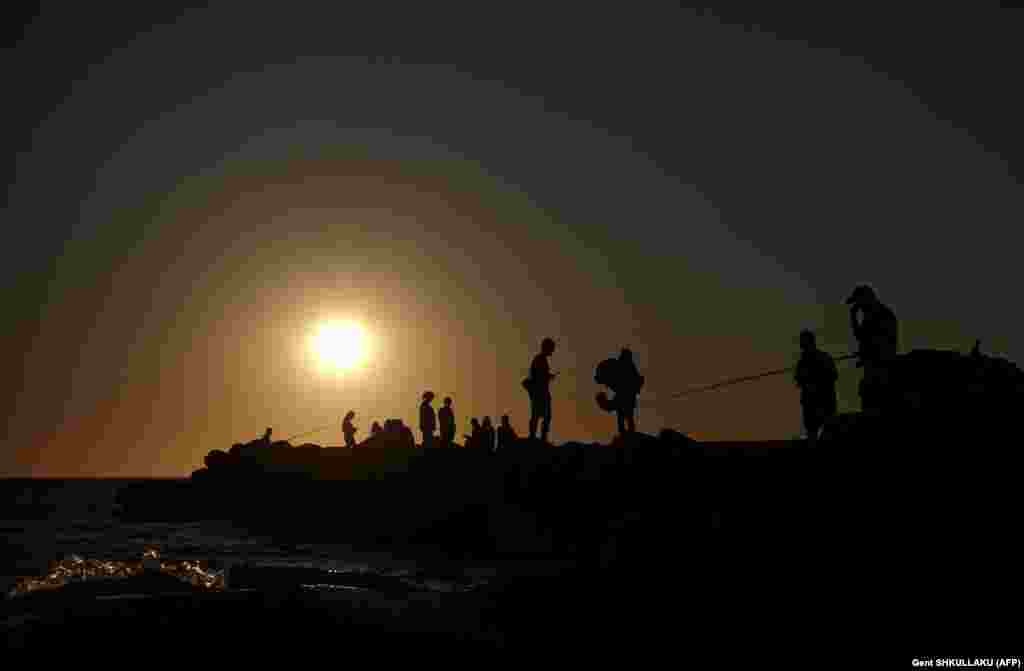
(340, 346)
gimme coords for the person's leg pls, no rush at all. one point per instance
(813, 427)
(621, 416)
(831, 411)
(629, 414)
(807, 412)
(546, 422)
(876, 388)
(535, 414)
(866, 389)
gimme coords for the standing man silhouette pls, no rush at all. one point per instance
(630, 383)
(349, 430)
(428, 420)
(877, 333)
(538, 385)
(446, 418)
(816, 376)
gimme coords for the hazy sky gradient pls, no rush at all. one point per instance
(208, 192)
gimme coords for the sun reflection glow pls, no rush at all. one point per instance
(76, 569)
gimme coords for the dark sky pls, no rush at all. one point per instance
(191, 192)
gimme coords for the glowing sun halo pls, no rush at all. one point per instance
(340, 345)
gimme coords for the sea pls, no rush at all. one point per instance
(47, 521)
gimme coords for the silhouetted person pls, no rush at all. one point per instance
(506, 434)
(348, 430)
(264, 441)
(538, 385)
(446, 418)
(376, 429)
(428, 420)
(487, 435)
(877, 334)
(630, 382)
(816, 376)
(475, 438)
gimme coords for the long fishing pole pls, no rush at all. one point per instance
(748, 378)
(309, 433)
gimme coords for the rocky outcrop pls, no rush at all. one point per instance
(941, 398)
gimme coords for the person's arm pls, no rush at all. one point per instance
(800, 374)
(854, 324)
(893, 329)
(883, 337)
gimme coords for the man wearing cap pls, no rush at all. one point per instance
(428, 420)
(877, 333)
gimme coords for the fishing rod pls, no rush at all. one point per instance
(748, 378)
(309, 433)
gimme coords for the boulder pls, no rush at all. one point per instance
(217, 459)
(940, 396)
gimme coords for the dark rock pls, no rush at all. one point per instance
(217, 459)
(940, 399)
(676, 438)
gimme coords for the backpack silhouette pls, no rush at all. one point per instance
(614, 375)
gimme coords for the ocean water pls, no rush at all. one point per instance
(42, 521)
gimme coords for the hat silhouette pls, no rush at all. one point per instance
(860, 293)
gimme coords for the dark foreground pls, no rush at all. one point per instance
(651, 548)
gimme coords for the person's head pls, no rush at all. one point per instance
(428, 396)
(350, 415)
(807, 340)
(547, 346)
(376, 427)
(447, 401)
(627, 354)
(862, 296)
(269, 431)
(475, 423)
(487, 422)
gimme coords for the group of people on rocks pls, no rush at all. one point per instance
(873, 323)
(438, 429)
(483, 435)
